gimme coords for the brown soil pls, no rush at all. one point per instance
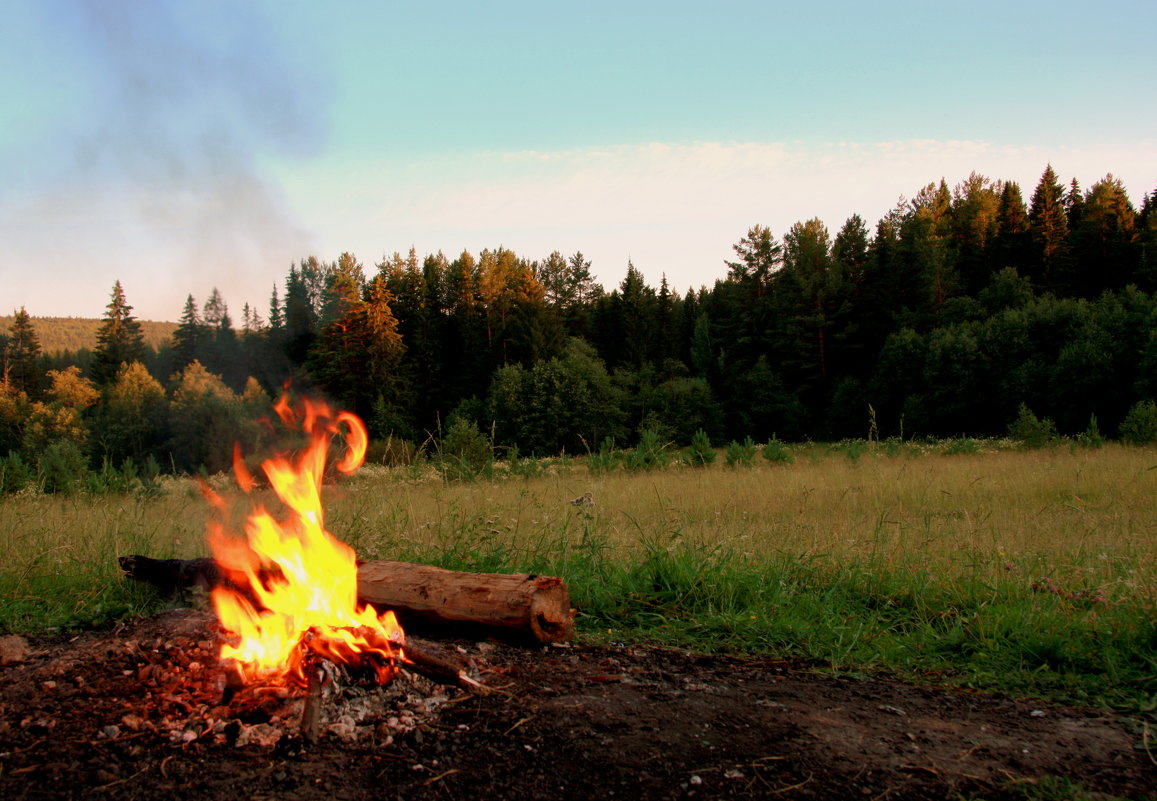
(138, 713)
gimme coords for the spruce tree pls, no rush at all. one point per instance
(189, 337)
(1049, 229)
(118, 340)
(22, 369)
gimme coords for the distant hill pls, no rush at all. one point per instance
(58, 334)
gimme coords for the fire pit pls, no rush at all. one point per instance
(299, 616)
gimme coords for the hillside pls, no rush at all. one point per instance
(73, 333)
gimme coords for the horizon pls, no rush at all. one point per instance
(179, 148)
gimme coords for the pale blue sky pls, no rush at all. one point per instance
(178, 146)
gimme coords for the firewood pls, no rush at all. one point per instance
(489, 604)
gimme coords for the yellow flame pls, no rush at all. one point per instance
(292, 586)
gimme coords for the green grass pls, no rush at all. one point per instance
(1030, 572)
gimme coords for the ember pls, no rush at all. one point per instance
(290, 598)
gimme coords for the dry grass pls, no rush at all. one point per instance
(1073, 514)
(1028, 571)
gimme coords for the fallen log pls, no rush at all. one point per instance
(501, 604)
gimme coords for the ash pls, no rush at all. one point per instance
(187, 696)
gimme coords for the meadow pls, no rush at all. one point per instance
(1028, 571)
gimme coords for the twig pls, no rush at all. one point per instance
(311, 711)
(794, 786)
(120, 781)
(515, 726)
(439, 777)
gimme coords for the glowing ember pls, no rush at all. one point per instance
(294, 585)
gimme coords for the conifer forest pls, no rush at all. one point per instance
(963, 308)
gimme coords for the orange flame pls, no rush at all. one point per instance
(292, 586)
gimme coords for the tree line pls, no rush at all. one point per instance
(962, 306)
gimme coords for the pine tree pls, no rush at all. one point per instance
(1049, 229)
(189, 336)
(22, 370)
(1106, 250)
(276, 313)
(1010, 246)
(119, 339)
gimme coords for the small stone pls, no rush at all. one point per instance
(1037, 713)
(13, 650)
(696, 780)
(110, 732)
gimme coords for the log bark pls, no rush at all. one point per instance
(507, 604)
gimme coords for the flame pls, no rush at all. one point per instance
(291, 587)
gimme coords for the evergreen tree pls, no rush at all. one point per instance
(1010, 246)
(119, 339)
(1049, 230)
(928, 261)
(751, 318)
(975, 213)
(276, 313)
(22, 369)
(189, 337)
(1106, 250)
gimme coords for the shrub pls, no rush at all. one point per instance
(775, 451)
(650, 454)
(16, 475)
(1140, 424)
(1091, 436)
(962, 445)
(700, 453)
(605, 458)
(1030, 431)
(854, 449)
(741, 454)
(465, 451)
(62, 468)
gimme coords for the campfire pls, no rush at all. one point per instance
(304, 621)
(290, 591)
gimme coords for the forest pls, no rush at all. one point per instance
(965, 308)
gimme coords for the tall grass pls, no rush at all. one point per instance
(1029, 571)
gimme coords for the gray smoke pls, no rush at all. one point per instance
(186, 96)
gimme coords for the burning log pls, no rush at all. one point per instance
(491, 603)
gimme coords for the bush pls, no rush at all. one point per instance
(465, 451)
(962, 445)
(854, 449)
(700, 453)
(1091, 437)
(16, 475)
(1030, 431)
(776, 451)
(605, 458)
(650, 454)
(62, 468)
(1140, 424)
(741, 454)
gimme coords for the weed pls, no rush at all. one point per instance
(962, 445)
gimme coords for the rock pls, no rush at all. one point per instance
(13, 650)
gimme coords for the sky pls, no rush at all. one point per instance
(178, 147)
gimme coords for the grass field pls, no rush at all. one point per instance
(1029, 571)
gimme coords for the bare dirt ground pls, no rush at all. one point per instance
(142, 712)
